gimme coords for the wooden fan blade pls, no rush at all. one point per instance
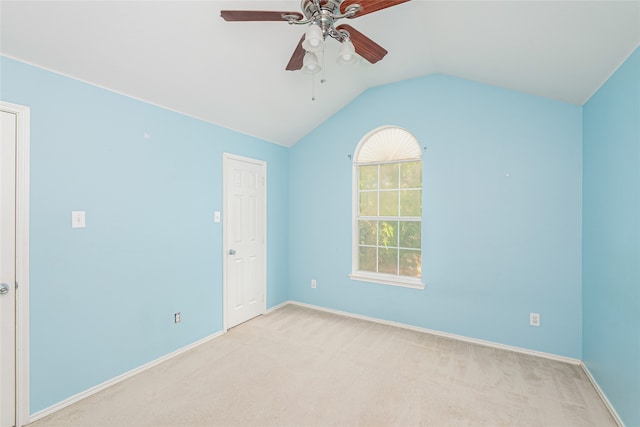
(256, 15)
(295, 63)
(369, 6)
(365, 47)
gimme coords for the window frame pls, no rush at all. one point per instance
(369, 276)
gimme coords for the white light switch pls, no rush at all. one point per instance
(77, 219)
(216, 216)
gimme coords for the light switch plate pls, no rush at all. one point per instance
(77, 219)
(534, 319)
(216, 216)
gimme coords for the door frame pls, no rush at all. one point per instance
(225, 232)
(22, 258)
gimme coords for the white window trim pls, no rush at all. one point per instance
(386, 279)
(368, 276)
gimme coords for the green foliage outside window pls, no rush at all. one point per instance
(389, 212)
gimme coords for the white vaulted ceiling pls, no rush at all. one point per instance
(181, 55)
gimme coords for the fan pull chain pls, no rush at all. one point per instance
(323, 77)
(313, 87)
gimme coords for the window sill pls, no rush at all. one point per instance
(384, 279)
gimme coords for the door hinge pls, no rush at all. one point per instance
(16, 284)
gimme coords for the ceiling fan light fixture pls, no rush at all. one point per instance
(313, 39)
(347, 53)
(310, 64)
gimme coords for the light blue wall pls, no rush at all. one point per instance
(501, 235)
(611, 239)
(502, 213)
(103, 297)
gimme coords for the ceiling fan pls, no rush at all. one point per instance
(321, 15)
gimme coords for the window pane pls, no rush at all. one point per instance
(389, 191)
(388, 261)
(368, 203)
(368, 231)
(369, 177)
(367, 259)
(410, 234)
(389, 203)
(411, 203)
(388, 233)
(410, 263)
(411, 175)
(389, 176)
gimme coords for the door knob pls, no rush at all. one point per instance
(4, 289)
(232, 251)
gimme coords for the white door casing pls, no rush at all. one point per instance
(8, 123)
(14, 264)
(244, 239)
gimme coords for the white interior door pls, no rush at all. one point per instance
(8, 269)
(244, 239)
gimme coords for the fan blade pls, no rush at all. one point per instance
(257, 15)
(365, 47)
(295, 63)
(369, 6)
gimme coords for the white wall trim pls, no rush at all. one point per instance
(382, 279)
(278, 307)
(603, 396)
(445, 334)
(23, 142)
(95, 389)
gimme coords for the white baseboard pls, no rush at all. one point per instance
(445, 334)
(603, 396)
(279, 306)
(93, 390)
(82, 395)
(573, 361)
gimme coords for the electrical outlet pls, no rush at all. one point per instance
(176, 318)
(534, 319)
(313, 283)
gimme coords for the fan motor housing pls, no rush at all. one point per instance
(327, 6)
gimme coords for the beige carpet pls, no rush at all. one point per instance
(302, 367)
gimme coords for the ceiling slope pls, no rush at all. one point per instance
(181, 55)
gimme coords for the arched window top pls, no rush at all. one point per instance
(387, 144)
(387, 209)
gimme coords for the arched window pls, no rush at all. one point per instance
(387, 208)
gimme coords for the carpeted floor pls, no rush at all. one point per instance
(302, 367)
